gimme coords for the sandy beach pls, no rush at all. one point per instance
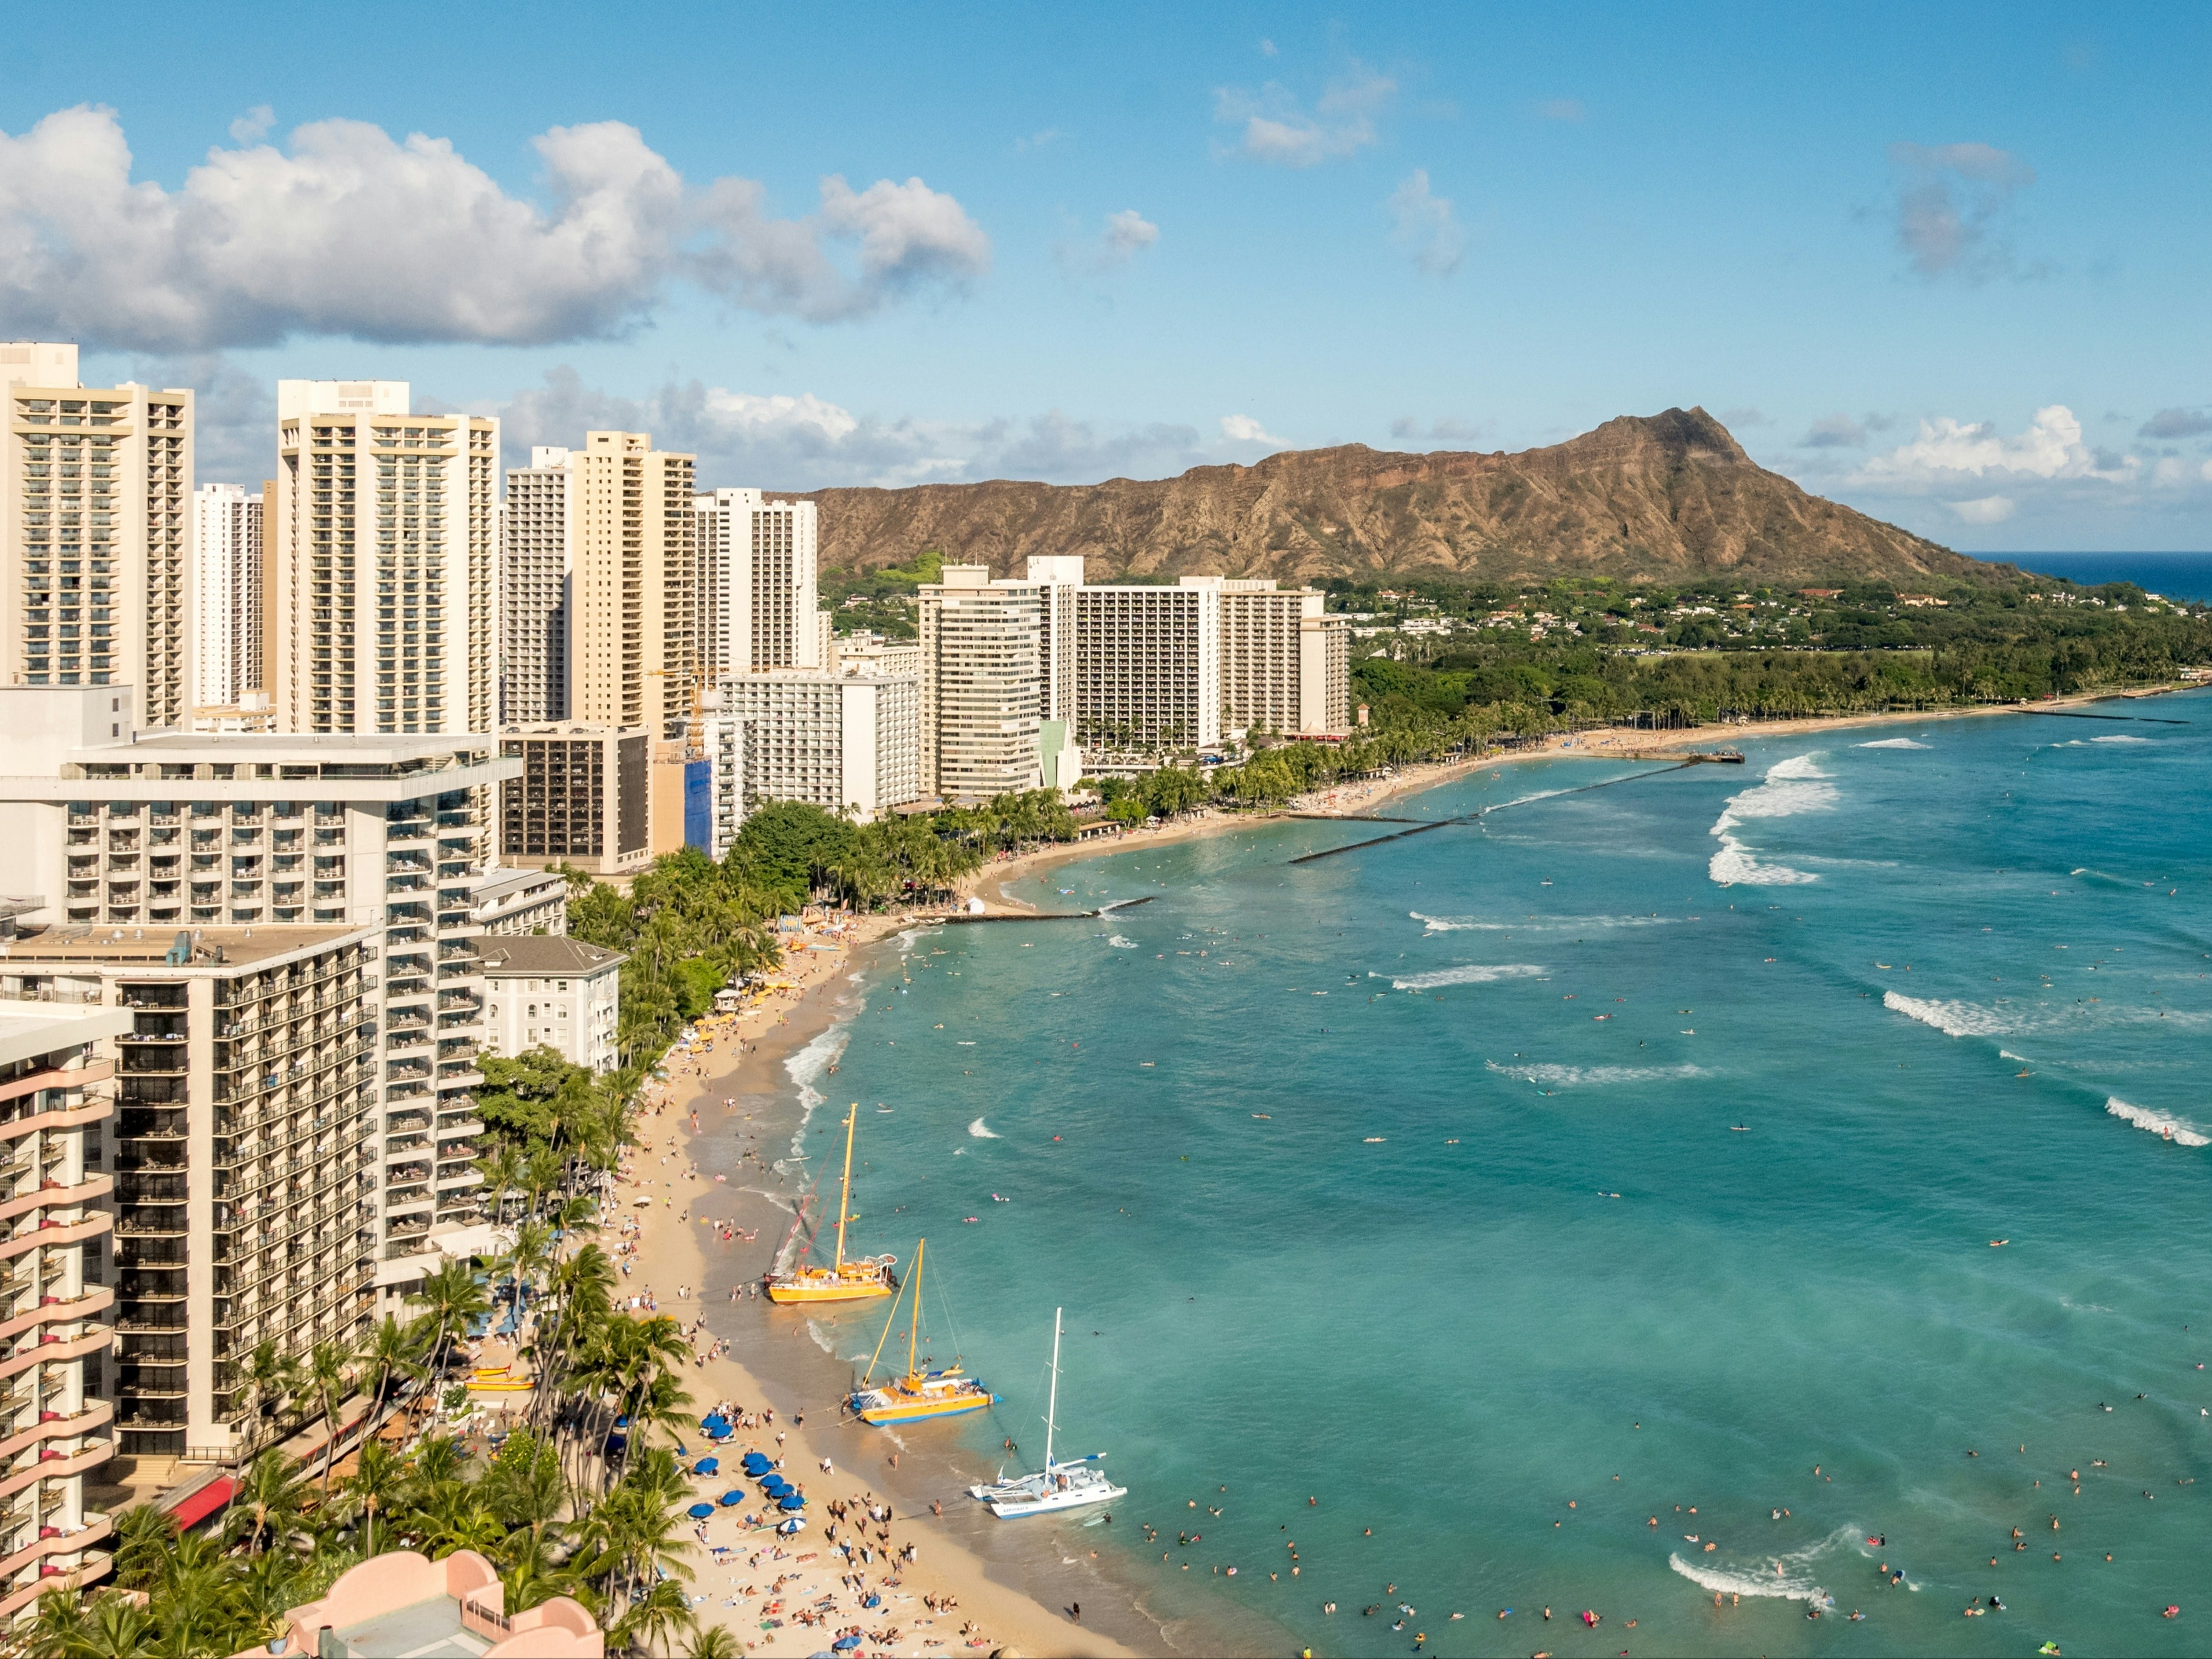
(949, 1596)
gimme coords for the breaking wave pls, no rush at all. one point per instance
(981, 1131)
(807, 1068)
(1893, 743)
(2181, 1134)
(1472, 974)
(1555, 925)
(1787, 1576)
(1578, 1075)
(2119, 737)
(1956, 1020)
(1790, 787)
(1121, 944)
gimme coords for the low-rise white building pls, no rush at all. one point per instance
(505, 901)
(556, 993)
(839, 742)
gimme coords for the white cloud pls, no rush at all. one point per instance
(1267, 48)
(1127, 233)
(1984, 509)
(350, 231)
(1948, 451)
(807, 442)
(1277, 128)
(1423, 226)
(1954, 206)
(254, 124)
(1245, 429)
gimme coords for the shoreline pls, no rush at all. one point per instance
(1016, 1582)
(1356, 800)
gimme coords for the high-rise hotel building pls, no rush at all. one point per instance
(1147, 670)
(228, 600)
(537, 559)
(759, 605)
(633, 613)
(981, 684)
(95, 488)
(382, 563)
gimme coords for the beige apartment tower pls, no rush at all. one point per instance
(537, 529)
(95, 498)
(381, 563)
(1285, 663)
(981, 684)
(760, 608)
(1148, 671)
(633, 652)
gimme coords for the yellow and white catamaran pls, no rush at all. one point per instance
(919, 1395)
(842, 1281)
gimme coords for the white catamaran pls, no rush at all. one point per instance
(1058, 1485)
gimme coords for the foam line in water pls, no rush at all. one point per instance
(1472, 974)
(1893, 743)
(2177, 1130)
(1121, 944)
(981, 1131)
(808, 1066)
(1790, 787)
(1956, 1020)
(1554, 925)
(1570, 1077)
(1789, 1577)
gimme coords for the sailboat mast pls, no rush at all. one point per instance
(915, 1324)
(845, 1191)
(1052, 1397)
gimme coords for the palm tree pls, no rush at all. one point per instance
(330, 1377)
(143, 1538)
(110, 1626)
(270, 1375)
(392, 1350)
(270, 1495)
(452, 1300)
(714, 1642)
(378, 1482)
(651, 1618)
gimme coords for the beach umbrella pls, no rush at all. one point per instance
(699, 1511)
(758, 1464)
(775, 1486)
(713, 1420)
(792, 1527)
(791, 1501)
(720, 1431)
(707, 1466)
(732, 1498)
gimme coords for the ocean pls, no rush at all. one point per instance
(2175, 575)
(1758, 1180)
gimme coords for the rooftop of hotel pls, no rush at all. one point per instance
(134, 948)
(30, 1029)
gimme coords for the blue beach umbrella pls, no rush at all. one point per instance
(707, 1466)
(775, 1486)
(732, 1498)
(791, 1501)
(699, 1511)
(713, 1420)
(757, 1463)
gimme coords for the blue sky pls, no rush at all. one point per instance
(1945, 264)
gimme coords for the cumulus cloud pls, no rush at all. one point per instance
(1834, 432)
(802, 441)
(1245, 429)
(254, 124)
(1275, 127)
(346, 231)
(2171, 423)
(1954, 207)
(1127, 233)
(1984, 509)
(1423, 226)
(1948, 451)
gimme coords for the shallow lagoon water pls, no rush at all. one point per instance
(1408, 1181)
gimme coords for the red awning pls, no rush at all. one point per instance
(204, 1502)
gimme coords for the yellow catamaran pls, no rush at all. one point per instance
(919, 1395)
(844, 1281)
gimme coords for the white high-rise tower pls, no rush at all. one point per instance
(757, 559)
(226, 596)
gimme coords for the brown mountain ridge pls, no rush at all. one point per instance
(1658, 498)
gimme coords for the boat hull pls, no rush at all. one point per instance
(858, 1289)
(1014, 1508)
(877, 1414)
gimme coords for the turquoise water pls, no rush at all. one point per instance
(1472, 1238)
